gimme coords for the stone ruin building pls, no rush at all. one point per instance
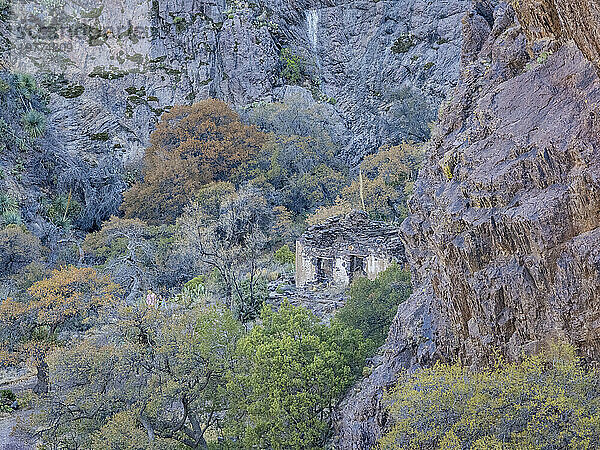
(344, 247)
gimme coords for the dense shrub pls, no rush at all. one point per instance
(299, 164)
(18, 248)
(283, 255)
(547, 401)
(387, 181)
(192, 146)
(291, 373)
(373, 304)
(301, 173)
(298, 116)
(292, 66)
(340, 207)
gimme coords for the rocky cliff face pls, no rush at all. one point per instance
(116, 65)
(503, 236)
(112, 67)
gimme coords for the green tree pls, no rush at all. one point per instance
(292, 371)
(283, 255)
(153, 379)
(373, 304)
(548, 401)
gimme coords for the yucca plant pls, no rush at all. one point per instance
(63, 210)
(26, 84)
(8, 203)
(34, 123)
(63, 222)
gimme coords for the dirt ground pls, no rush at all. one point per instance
(8, 422)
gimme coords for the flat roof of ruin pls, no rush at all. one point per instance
(354, 227)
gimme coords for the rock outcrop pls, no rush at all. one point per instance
(505, 224)
(563, 20)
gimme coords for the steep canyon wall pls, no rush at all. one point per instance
(504, 233)
(116, 65)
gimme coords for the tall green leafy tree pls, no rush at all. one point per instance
(292, 372)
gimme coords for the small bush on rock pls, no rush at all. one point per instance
(403, 44)
(7, 397)
(292, 66)
(284, 255)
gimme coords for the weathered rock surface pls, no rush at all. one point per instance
(505, 226)
(118, 64)
(563, 20)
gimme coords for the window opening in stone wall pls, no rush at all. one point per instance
(324, 270)
(357, 267)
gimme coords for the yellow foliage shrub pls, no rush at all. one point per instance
(548, 401)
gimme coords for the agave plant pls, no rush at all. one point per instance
(34, 123)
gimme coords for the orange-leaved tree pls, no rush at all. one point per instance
(191, 146)
(30, 328)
